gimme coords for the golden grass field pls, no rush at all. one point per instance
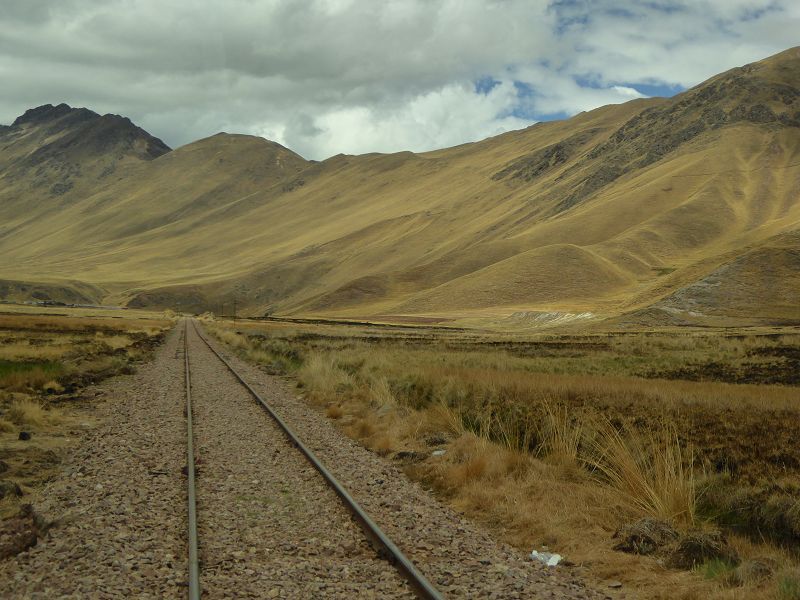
(559, 439)
(47, 358)
(686, 205)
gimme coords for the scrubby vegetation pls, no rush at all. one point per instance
(561, 440)
(45, 362)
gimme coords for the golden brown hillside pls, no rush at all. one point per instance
(662, 209)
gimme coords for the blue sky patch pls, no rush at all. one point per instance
(663, 90)
(484, 85)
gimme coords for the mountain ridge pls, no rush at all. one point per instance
(612, 211)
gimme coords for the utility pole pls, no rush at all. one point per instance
(234, 311)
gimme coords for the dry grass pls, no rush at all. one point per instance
(104, 363)
(417, 226)
(67, 324)
(31, 413)
(26, 351)
(232, 339)
(364, 427)
(323, 377)
(384, 444)
(113, 341)
(279, 356)
(441, 417)
(23, 377)
(560, 434)
(562, 456)
(53, 387)
(661, 394)
(42, 356)
(381, 393)
(652, 471)
(334, 411)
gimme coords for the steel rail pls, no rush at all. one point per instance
(194, 567)
(385, 547)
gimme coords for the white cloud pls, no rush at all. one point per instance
(444, 117)
(355, 75)
(684, 42)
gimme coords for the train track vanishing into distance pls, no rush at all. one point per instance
(194, 566)
(264, 521)
(384, 546)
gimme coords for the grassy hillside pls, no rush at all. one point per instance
(613, 211)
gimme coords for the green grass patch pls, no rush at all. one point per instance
(8, 367)
(18, 375)
(789, 586)
(716, 569)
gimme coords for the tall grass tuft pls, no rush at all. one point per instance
(513, 429)
(560, 434)
(231, 338)
(653, 472)
(29, 413)
(381, 393)
(323, 377)
(445, 418)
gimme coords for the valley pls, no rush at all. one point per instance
(662, 210)
(581, 337)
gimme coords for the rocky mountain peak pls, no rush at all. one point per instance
(48, 112)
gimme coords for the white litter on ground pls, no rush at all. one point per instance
(549, 558)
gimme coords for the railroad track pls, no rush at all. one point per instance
(384, 546)
(194, 565)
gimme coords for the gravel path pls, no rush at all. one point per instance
(454, 554)
(268, 525)
(121, 500)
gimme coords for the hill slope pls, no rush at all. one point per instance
(615, 210)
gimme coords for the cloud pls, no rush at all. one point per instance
(354, 75)
(443, 117)
(679, 42)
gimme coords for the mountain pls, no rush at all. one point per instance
(58, 146)
(658, 210)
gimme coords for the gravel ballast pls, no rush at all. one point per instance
(268, 525)
(119, 507)
(459, 558)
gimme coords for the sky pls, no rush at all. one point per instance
(324, 77)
